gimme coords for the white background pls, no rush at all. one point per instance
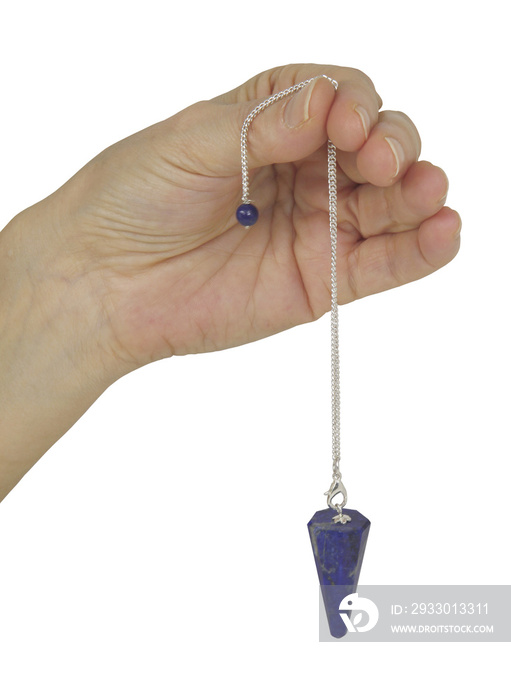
(160, 548)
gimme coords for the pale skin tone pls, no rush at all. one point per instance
(139, 256)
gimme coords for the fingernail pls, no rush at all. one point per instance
(364, 118)
(398, 153)
(296, 111)
(458, 230)
(443, 198)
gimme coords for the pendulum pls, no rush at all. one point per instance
(338, 536)
(338, 541)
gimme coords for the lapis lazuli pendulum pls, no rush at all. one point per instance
(338, 552)
(338, 537)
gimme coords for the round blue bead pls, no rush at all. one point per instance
(247, 214)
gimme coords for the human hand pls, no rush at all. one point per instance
(151, 220)
(139, 256)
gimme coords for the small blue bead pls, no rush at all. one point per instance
(247, 214)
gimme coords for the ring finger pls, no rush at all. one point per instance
(372, 210)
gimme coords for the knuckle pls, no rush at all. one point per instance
(356, 75)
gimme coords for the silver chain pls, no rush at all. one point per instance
(253, 114)
(337, 486)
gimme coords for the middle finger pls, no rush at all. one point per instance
(392, 146)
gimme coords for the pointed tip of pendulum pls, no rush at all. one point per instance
(247, 214)
(338, 552)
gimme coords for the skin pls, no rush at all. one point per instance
(139, 256)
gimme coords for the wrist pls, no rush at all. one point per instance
(53, 361)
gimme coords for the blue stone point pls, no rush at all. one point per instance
(247, 214)
(338, 552)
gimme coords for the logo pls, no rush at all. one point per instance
(357, 606)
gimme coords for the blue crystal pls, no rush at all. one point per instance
(338, 552)
(247, 214)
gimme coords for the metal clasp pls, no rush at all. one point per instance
(336, 488)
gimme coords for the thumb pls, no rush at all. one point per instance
(286, 131)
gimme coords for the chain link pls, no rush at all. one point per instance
(337, 486)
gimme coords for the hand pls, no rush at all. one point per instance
(139, 256)
(154, 215)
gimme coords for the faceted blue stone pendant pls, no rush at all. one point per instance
(338, 551)
(247, 214)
